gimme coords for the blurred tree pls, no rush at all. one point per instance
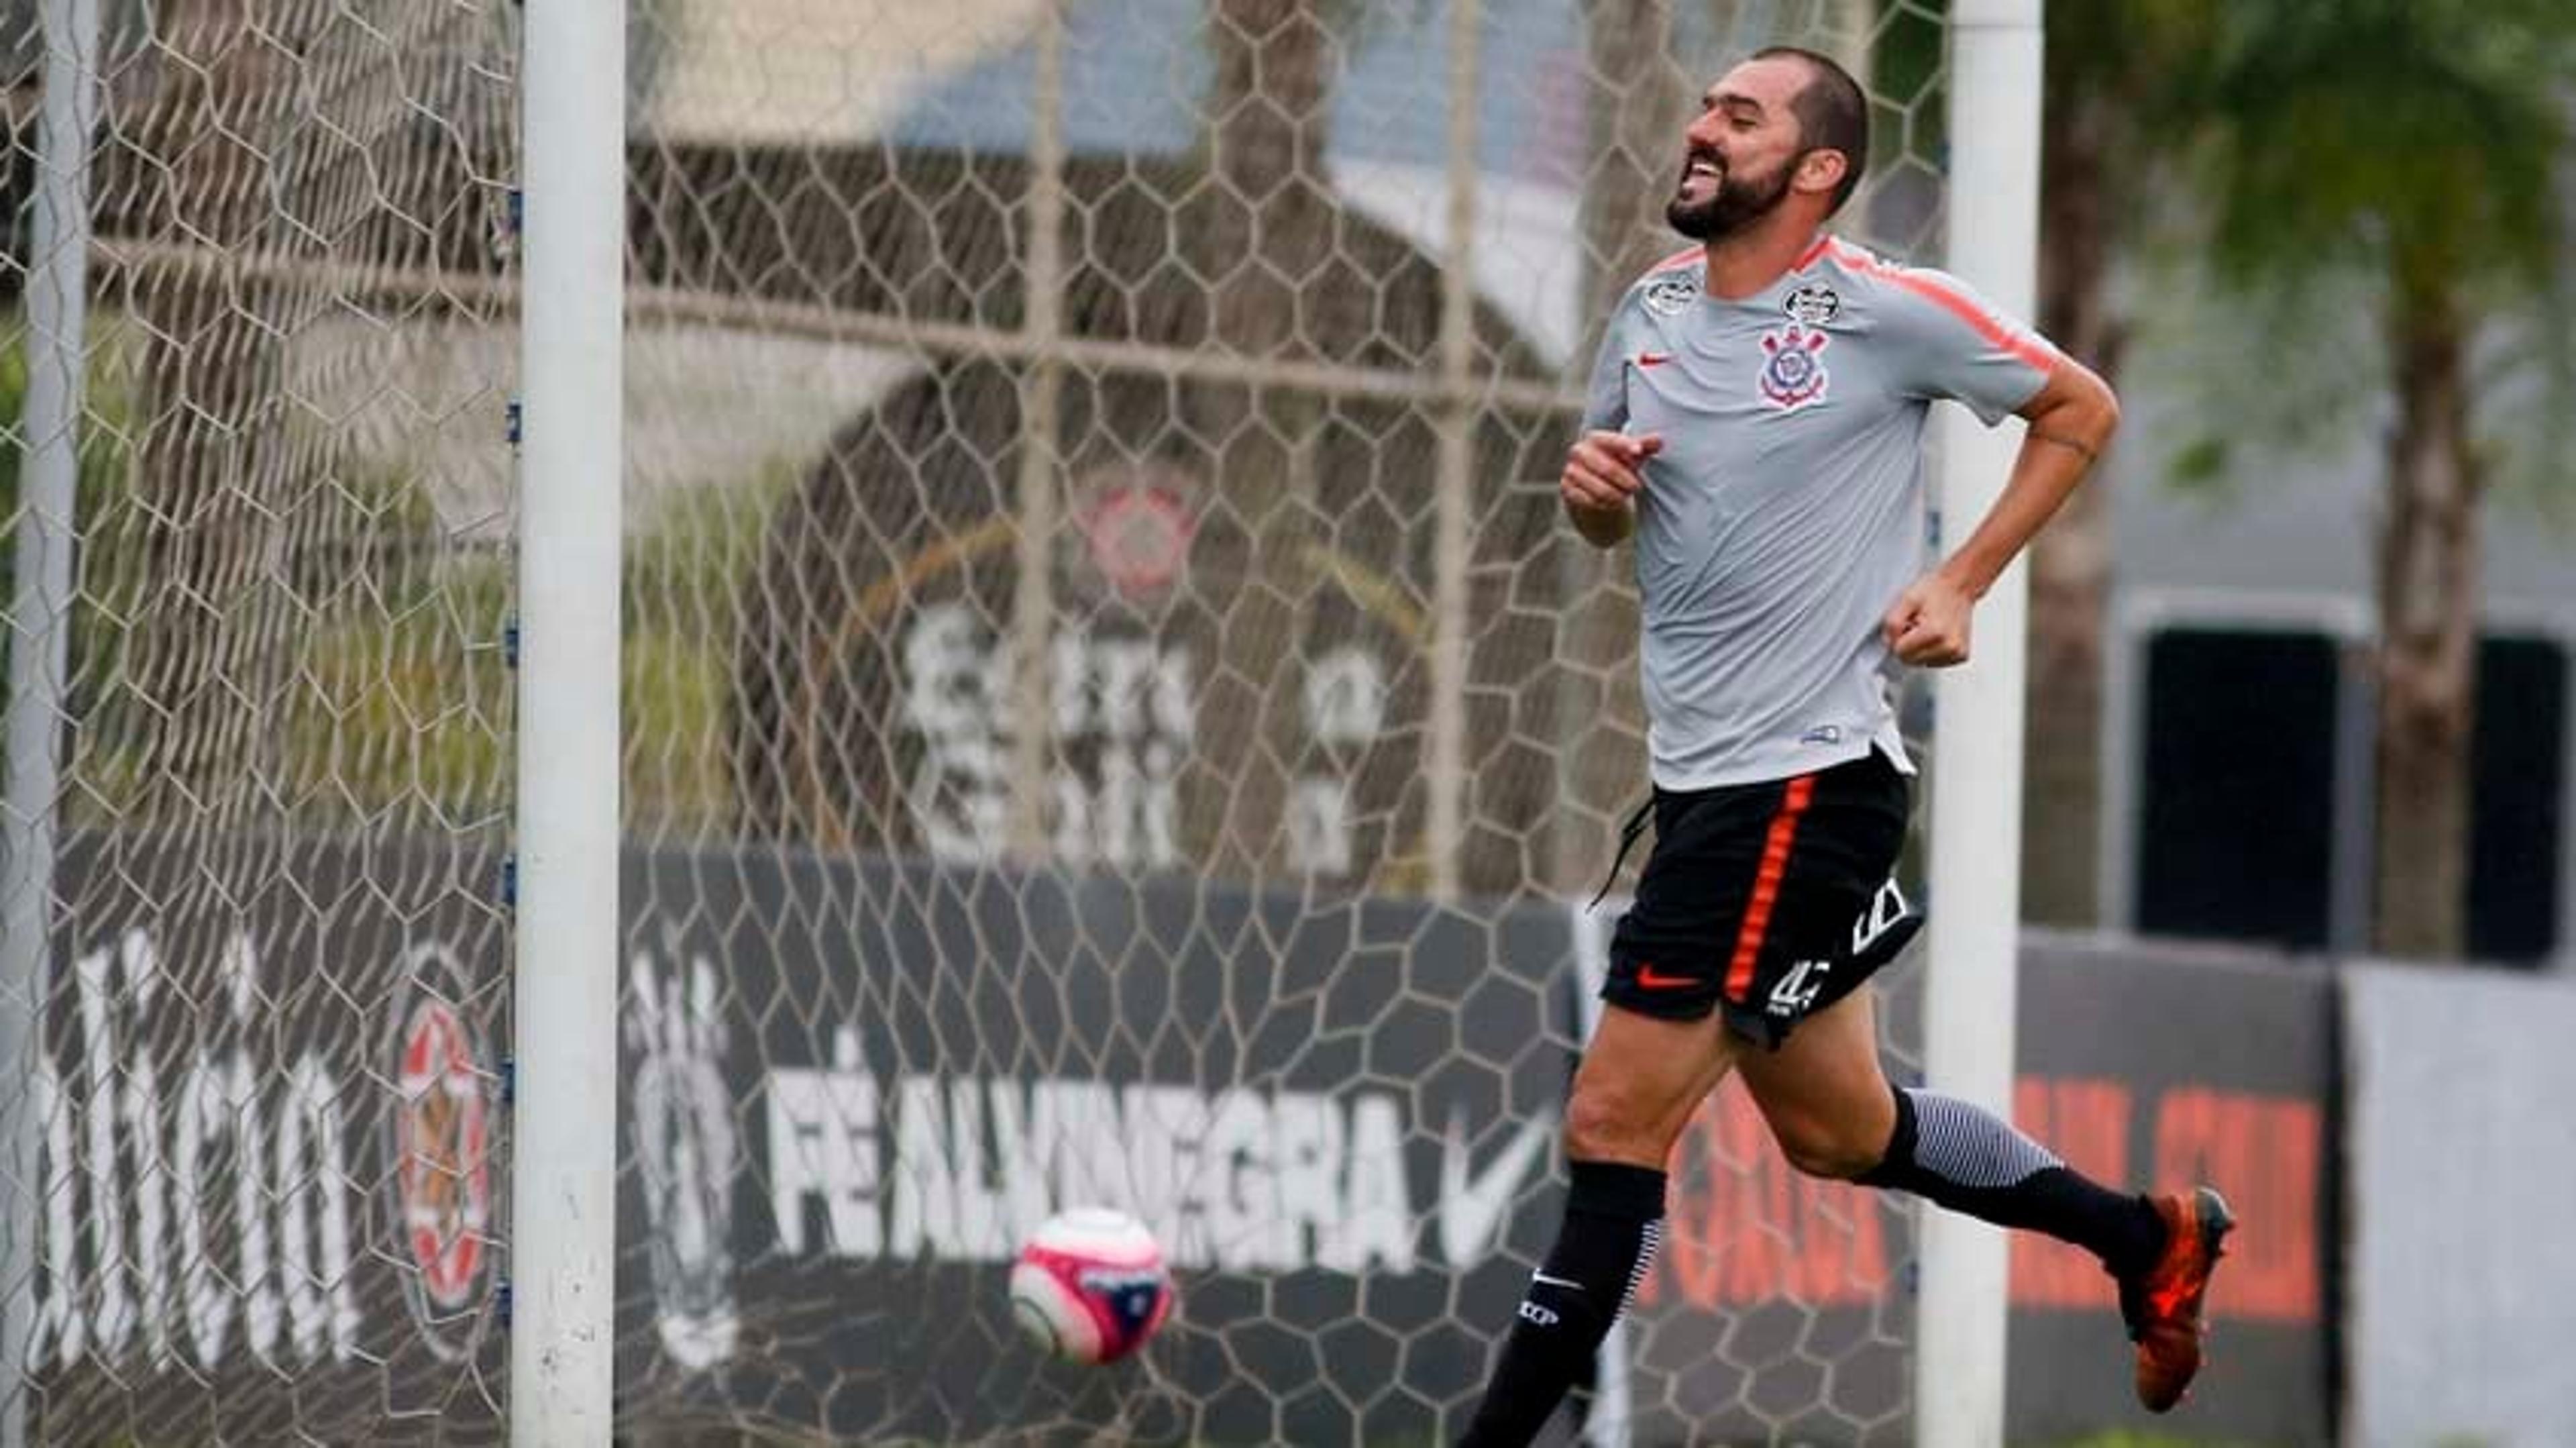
(199, 666)
(2415, 141)
(2115, 120)
(250, 143)
(1263, 234)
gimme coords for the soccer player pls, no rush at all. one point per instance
(1756, 423)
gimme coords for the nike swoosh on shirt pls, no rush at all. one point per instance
(1472, 1206)
(1653, 359)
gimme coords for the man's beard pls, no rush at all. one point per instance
(1740, 202)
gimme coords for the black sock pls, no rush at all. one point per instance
(1614, 1219)
(1963, 1157)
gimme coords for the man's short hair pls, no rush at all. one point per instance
(1833, 114)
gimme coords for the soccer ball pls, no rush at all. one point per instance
(1090, 1285)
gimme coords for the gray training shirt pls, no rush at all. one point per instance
(1786, 510)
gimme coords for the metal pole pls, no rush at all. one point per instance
(41, 609)
(1968, 1009)
(563, 1201)
(1454, 482)
(1041, 410)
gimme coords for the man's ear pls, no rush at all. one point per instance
(1822, 170)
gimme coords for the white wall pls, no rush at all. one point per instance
(2463, 1183)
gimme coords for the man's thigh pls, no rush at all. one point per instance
(1640, 1079)
(1823, 1092)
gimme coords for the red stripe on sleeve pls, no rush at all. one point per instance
(1678, 260)
(2031, 351)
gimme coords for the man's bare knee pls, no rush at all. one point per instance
(1641, 1078)
(1604, 1124)
(1826, 1149)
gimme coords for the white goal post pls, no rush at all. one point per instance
(1968, 1005)
(563, 1202)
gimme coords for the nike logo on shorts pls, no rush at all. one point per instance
(1653, 979)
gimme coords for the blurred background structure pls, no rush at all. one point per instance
(1111, 713)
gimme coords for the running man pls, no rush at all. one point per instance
(1756, 423)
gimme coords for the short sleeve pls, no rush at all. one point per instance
(1950, 342)
(1605, 397)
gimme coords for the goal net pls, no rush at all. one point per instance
(252, 914)
(1112, 717)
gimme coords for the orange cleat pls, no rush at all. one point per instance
(2162, 1307)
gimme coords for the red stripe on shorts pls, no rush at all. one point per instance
(1766, 885)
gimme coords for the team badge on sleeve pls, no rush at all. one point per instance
(1814, 304)
(1671, 294)
(1793, 366)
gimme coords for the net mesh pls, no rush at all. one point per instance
(1112, 716)
(249, 1194)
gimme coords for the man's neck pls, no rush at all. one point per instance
(1747, 263)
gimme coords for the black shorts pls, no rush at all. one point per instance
(1767, 901)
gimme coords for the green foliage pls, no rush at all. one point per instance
(2201, 465)
(2407, 134)
(397, 705)
(401, 701)
(2270, 376)
(685, 571)
(2130, 76)
(2345, 159)
(404, 699)
(103, 483)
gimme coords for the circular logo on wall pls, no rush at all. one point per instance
(1136, 526)
(440, 1147)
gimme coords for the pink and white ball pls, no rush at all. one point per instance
(1090, 1285)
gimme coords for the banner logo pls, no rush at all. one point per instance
(686, 1155)
(441, 1148)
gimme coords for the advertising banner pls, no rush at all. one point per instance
(1339, 1116)
(270, 1195)
(273, 1110)
(274, 1118)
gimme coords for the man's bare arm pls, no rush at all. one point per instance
(2071, 422)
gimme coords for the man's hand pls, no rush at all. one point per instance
(1928, 627)
(1601, 477)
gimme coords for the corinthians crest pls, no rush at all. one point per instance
(685, 1153)
(1793, 366)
